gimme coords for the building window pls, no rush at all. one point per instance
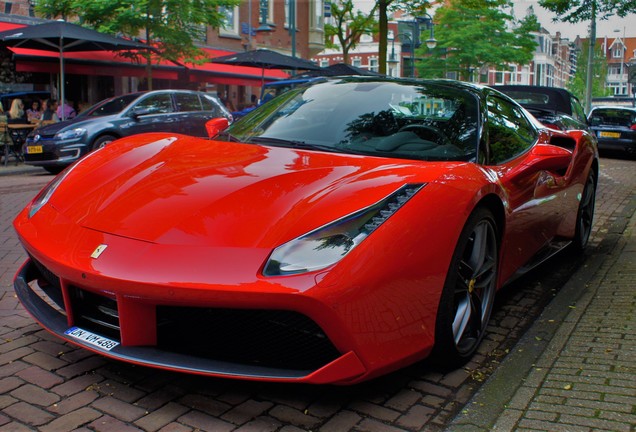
(324, 62)
(356, 62)
(617, 52)
(366, 38)
(317, 15)
(287, 20)
(374, 65)
(268, 6)
(230, 22)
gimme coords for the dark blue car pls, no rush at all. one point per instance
(56, 146)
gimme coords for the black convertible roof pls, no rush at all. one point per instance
(539, 97)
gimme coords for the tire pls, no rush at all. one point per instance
(103, 141)
(585, 214)
(469, 292)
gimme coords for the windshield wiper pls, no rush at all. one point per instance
(292, 144)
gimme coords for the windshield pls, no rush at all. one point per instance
(612, 117)
(110, 106)
(431, 121)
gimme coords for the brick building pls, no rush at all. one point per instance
(253, 24)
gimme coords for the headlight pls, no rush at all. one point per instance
(45, 194)
(69, 134)
(329, 244)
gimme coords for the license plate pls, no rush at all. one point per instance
(609, 134)
(91, 338)
(34, 149)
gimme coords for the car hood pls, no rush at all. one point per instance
(181, 190)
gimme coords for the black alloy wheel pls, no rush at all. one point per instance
(469, 292)
(585, 214)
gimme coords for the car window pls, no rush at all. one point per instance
(210, 103)
(111, 106)
(612, 117)
(510, 133)
(156, 104)
(577, 111)
(187, 102)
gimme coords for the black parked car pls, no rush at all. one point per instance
(615, 128)
(554, 107)
(56, 146)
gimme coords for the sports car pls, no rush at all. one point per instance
(339, 232)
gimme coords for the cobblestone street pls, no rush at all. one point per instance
(47, 385)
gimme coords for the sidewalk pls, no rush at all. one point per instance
(20, 168)
(575, 369)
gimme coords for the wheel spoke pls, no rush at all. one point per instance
(462, 318)
(476, 313)
(480, 243)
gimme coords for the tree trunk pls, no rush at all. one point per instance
(383, 32)
(590, 61)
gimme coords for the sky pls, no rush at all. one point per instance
(607, 28)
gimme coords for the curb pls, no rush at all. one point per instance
(20, 169)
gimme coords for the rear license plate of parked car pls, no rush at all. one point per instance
(34, 149)
(91, 338)
(609, 134)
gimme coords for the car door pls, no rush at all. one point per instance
(153, 112)
(190, 116)
(534, 187)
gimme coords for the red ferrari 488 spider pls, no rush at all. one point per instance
(338, 232)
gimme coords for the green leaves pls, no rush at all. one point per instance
(172, 25)
(578, 83)
(349, 26)
(474, 34)
(574, 11)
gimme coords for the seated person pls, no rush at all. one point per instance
(49, 115)
(16, 112)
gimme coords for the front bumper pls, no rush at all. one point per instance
(134, 330)
(45, 152)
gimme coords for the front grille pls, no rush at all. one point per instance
(95, 312)
(49, 284)
(37, 157)
(280, 339)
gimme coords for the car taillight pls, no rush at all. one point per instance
(633, 127)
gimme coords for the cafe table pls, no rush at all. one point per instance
(9, 132)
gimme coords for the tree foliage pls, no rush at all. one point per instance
(474, 34)
(348, 26)
(574, 11)
(578, 83)
(173, 26)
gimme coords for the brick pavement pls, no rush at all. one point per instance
(52, 386)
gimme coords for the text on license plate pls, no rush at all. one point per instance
(34, 149)
(609, 134)
(91, 338)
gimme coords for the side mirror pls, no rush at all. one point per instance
(216, 125)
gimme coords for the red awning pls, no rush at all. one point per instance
(112, 63)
